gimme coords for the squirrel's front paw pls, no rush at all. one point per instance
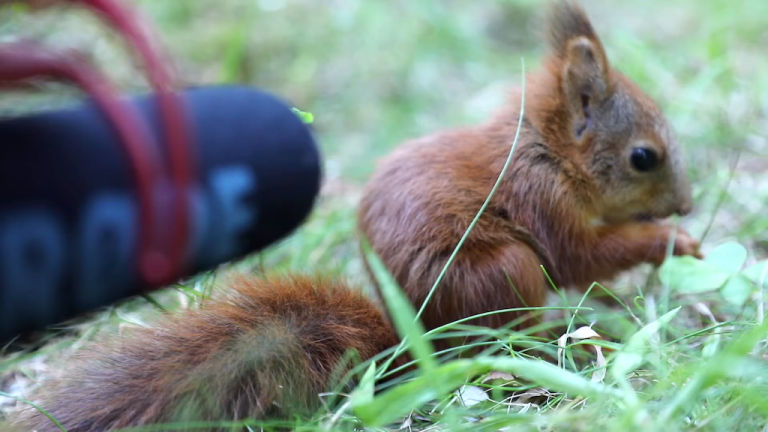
(685, 244)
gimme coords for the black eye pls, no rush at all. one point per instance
(644, 159)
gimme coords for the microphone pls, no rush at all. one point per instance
(69, 210)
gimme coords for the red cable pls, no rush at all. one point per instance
(128, 22)
(160, 260)
(22, 61)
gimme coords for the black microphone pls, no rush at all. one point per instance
(69, 210)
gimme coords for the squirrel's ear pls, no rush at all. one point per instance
(585, 69)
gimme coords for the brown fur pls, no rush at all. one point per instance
(569, 201)
(262, 348)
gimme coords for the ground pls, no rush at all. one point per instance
(376, 73)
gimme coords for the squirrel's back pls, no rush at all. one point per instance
(259, 348)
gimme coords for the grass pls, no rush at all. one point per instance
(691, 357)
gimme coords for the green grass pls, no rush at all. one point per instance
(692, 356)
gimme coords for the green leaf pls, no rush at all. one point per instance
(737, 290)
(729, 361)
(689, 275)
(640, 339)
(440, 382)
(711, 345)
(406, 397)
(626, 362)
(728, 257)
(547, 375)
(363, 394)
(304, 116)
(631, 357)
(401, 310)
(758, 273)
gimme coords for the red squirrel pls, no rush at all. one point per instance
(596, 167)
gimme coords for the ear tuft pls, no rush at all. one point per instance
(567, 21)
(586, 78)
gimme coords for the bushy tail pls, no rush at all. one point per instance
(262, 348)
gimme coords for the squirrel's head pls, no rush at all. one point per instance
(621, 136)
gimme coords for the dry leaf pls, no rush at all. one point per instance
(585, 332)
(533, 394)
(581, 333)
(472, 395)
(498, 375)
(704, 310)
(599, 374)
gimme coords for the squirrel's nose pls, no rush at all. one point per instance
(685, 207)
(684, 196)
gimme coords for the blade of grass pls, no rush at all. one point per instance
(474, 221)
(33, 405)
(438, 384)
(732, 360)
(401, 310)
(487, 200)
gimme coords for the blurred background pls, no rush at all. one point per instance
(374, 73)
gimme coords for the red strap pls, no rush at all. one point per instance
(22, 61)
(159, 269)
(160, 258)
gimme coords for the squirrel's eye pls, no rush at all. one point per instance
(644, 159)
